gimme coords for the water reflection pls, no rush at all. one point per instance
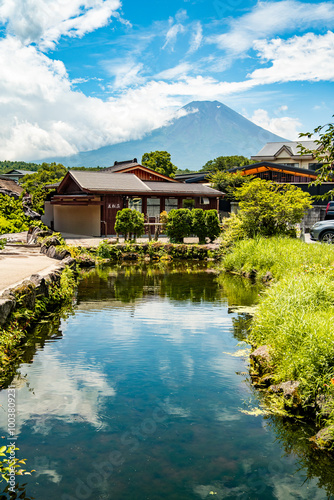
(140, 387)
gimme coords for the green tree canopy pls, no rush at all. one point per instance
(227, 182)
(160, 161)
(48, 173)
(323, 154)
(225, 163)
(6, 166)
(270, 208)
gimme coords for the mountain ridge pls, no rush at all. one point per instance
(208, 129)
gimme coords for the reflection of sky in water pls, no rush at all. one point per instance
(97, 390)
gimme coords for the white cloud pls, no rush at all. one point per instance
(284, 126)
(270, 18)
(126, 73)
(180, 70)
(306, 58)
(196, 38)
(171, 35)
(44, 21)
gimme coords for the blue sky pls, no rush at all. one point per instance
(80, 75)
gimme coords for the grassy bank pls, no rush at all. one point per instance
(294, 319)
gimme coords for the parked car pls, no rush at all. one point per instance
(329, 211)
(323, 231)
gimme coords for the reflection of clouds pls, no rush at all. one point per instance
(285, 486)
(60, 391)
(171, 409)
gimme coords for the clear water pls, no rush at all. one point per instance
(137, 395)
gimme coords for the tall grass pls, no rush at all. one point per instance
(295, 315)
(279, 255)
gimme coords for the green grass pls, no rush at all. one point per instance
(279, 255)
(295, 314)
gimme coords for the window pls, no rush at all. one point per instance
(135, 203)
(205, 201)
(153, 207)
(171, 203)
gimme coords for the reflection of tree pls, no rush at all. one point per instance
(239, 291)
(294, 438)
(127, 283)
(49, 328)
(20, 492)
(241, 326)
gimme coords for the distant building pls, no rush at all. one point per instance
(16, 174)
(288, 153)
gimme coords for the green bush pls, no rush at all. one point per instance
(212, 224)
(199, 227)
(271, 208)
(179, 224)
(129, 222)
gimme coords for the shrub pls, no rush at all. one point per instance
(199, 227)
(129, 222)
(270, 208)
(212, 224)
(179, 224)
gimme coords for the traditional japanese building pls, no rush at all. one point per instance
(87, 202)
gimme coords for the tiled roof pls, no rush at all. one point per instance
(130, 183)
(272, 148)
(182, 188)
(97, 181)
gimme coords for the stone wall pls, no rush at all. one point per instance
(26, 293)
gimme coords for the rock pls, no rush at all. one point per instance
(41, 286)
(69, 261)
(267, 277)
(25, 295)
(261, 359)
(51, 241)
(130, 256)
(324, 405)
(288, 389)
(324, 438)
(6, 307)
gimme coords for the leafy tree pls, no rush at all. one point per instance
(129, 222)
(225, 163)
(228, 182)
(179, 224)
(323, 155)
(160, 161)
(34, 184)
(198, 224)
(270, 208)
(12, 216)
(7, 165)
(212, 224)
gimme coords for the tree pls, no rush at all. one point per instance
(226, 163)
(198, 224)
(212, 224)
(270, 208)
(323, 155)
(179, 224)
(228, 182)
(160, 161)
(48, 173)
(129, 222)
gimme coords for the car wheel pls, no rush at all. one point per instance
(327, 237)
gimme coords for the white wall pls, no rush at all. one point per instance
(84, 220)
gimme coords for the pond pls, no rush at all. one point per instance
(142, 392)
